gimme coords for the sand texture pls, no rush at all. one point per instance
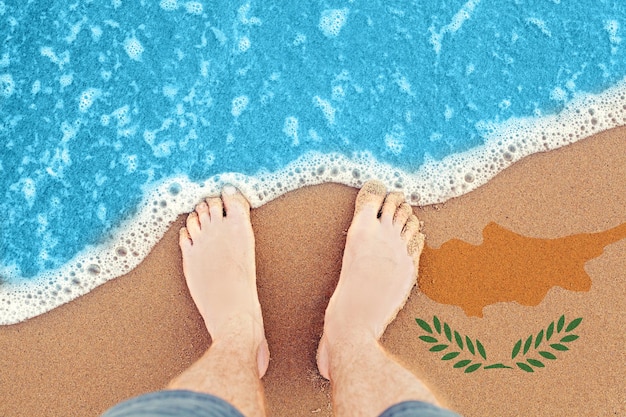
(133, 334)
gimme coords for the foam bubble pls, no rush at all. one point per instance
(7, 85)
(131, 163)
(75, 30)
(169, 5)
(299, 39)
(116, 3)
(87, 97)
(558, 94)
(5, 61)
(29, 189)
(434, 182)
(122, 115)
(327, 109)
(612, 26)
(239, 104)
(194, 7)
(133, 48)
(290, 129)
(149, 136)
(394, 141)
(243, 16)
(457, 21)
(540, 24)
(170, 91)
(314, 136)
(66, 80)
(244, 44)
(338, 93)
(36, 87)
(332, 20)
(96, 33)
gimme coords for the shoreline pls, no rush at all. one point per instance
(125, 247)
(132, 334)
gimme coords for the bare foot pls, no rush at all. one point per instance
(219, 266)
(378, 272)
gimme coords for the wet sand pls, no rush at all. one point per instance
(133, 334)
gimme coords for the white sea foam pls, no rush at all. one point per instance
(133, 48)
(194, 7)
(7, 85)
(244, 44)
(327, 109)
(87, 98)
(239, 104)
(168, 5)
(434, 182)
(457, 21)
(332, 20)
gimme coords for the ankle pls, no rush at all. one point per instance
(349, 339)
(240, 330)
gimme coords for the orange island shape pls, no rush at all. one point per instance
(509, 267)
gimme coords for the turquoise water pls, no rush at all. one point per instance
(101, 102)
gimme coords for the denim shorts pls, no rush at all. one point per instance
(194, 404)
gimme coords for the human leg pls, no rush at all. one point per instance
(219, 266)
(378, 272)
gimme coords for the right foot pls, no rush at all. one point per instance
(218, 261)
(379, 269)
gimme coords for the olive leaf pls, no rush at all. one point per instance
(437, 324)
(535, 362)
(529, 341)
(447, 331)
(428, 339)
(438, 348)
(461, 364)
(550, 331)
(538, 339)
(524, 367)
(481, 349)
(424, 325)
(573, 324)
(470, 345)
(516, 349)
(547, 355)
(450, 355)
(472, 368)
(459, 340)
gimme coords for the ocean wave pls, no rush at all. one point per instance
(434, 182)
(115, 117)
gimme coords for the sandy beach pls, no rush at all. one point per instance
(133, 334)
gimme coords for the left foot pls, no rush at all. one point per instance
(219, 266)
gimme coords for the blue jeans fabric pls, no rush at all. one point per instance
(194, 404)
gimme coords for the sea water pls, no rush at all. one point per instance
(117, 116)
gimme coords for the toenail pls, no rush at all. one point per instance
(230, 190)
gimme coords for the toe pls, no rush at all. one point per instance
(235, 204)
(370, 197)
(202, 209)
(390, 206)
(411, 227)
(193, 225)
(184, 240)
(216, 208)
(412, 235)
(401, 216)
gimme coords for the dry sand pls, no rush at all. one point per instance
(133, 334)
